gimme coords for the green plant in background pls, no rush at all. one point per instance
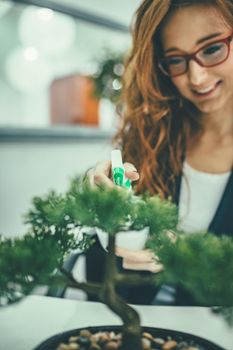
(202, 263)
(108, 78)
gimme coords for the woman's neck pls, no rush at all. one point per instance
(212, 149)
(218, 126)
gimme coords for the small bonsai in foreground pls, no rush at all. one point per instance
(202, 263)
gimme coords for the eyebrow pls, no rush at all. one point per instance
(200, 41)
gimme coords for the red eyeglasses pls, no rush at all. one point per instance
(209, 55)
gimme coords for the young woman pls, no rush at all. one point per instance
(177, 127)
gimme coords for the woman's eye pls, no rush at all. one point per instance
(174, 60)
(210, 50)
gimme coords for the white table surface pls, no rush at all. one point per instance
(26, 324)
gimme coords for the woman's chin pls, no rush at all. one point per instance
(208, 107)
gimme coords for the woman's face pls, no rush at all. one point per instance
(185, 31)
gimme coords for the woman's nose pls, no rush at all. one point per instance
(196, 73)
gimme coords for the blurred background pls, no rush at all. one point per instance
(61, 63)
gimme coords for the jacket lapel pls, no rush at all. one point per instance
(222, 222)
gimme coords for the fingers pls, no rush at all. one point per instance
(145, 266)
(131, 172)
(135, 255)
(141, 260)
(99, 176)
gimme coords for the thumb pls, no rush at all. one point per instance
(131, 172)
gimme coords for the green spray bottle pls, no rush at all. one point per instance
(118, 170)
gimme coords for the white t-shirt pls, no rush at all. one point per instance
(200, 195)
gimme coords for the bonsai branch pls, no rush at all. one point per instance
(90, 288)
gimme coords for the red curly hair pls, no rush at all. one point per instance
(157, 121)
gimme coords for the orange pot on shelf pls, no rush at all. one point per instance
(72, 101)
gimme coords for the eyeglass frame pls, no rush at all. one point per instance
(192, 56)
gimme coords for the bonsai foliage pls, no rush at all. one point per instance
(203, 264)
(59, 224)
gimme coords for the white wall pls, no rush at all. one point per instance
(29, 169)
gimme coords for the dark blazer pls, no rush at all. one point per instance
(222, 222)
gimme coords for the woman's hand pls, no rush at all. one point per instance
(143, 260)
(101, 174)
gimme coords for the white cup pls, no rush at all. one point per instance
(132, 240)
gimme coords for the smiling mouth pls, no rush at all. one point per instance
(206, 92)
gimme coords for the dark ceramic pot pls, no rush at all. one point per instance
(53, 342)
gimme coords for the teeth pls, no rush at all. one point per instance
(204, 91)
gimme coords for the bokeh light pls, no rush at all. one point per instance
(51, 33)
(27, 71)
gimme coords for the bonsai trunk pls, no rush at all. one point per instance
(131, 335)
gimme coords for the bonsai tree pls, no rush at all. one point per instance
(58, 224)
